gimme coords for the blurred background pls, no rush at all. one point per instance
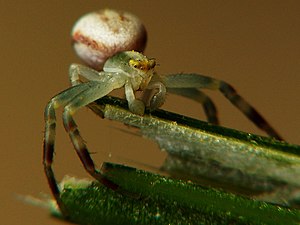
(254, 45)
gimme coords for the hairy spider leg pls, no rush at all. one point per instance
(73, 99)
(209, 107)
(201, 81)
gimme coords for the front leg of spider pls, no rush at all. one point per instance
(186, 84)
(73, 99)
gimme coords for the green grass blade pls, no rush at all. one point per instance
(164, 201)
(239, 162)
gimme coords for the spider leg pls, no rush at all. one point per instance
(198, 96)
(73, 99)
(201, 81)
(49, 136)
(95, 91)
(136, 106)
(155, 95)
(77, 70)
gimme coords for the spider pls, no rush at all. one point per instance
(105, 36)
(135, 72)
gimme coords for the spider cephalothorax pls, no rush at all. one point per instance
(137, 67)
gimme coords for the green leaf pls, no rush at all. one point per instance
(154, 199)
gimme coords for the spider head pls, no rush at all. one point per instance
(143, 70)
(144, 65)
(137, 67)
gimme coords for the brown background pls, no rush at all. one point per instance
(254, 45)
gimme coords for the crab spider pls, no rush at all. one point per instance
(135, 72)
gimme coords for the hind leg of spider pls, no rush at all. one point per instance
(49, 137)
(252, 114)
(200, 81)
(198, 96)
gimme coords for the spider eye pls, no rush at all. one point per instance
(134, 63)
